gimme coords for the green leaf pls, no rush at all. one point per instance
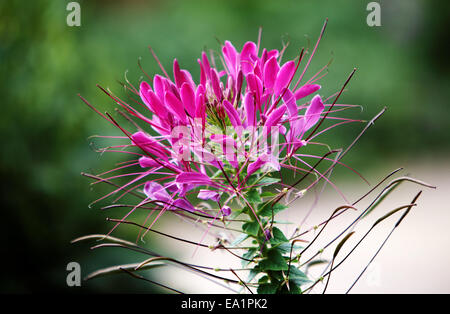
(293, 288)
(278, 237)
(268, 181)
(248, 255)
(297, 276)
(242, 237)
(263, 279)
(268, 194)
(267, 288)
(273, 261)
(253, 272)
(251, 228)
(253, 196)
(286, 247)
(266, 209)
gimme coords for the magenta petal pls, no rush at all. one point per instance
(147, 162)
(231, 58)
(265, 159)
(205, 63)
(158, 85)
(271, 69)
(175, 106)
(182, 204)
(156, 191)
(275, 117)
(143, 92)
(193, 178)
(255, 85)
(187, 78)
(202, 73)
(200, 103)
(148, 144)
(313, 112)
(297, 127)
(284, 77)
(177, 73)
(215, 82)
(254, 166)
(232, 113)
(158, 108)
(291, 104)
(306, 90)
(247, 54)
(188, 98)
(249, 104)
(272, 53)
(208, 195)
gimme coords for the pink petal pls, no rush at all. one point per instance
(147, 162)
(148, 144)
(306, 90)
(158, 108)
(143, 92)
(205, 63)
(202, 73)
(247, 55)
(289, 100)
(156, 191)
(177, 73)
(193, 178)
(262, 160)
(312, 114)
(187, 78)
(231, 58)
(175, 106)
(208, 195)
(275, 117)
(272, 53)
(188, 98)
(249, 104)
(215, 82)
(158, 85)
(255, 85)
(271, 69)
(283, 78)
(200, 103)
(182, 204)
(232, 113)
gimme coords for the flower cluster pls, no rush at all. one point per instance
(215, 148)
(216, 133)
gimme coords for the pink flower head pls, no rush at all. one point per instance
(207, 136)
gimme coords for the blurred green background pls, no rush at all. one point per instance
(45, 63)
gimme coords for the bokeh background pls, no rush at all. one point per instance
(45, 126)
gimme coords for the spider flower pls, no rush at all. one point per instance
(214, 147)
(208, 139)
